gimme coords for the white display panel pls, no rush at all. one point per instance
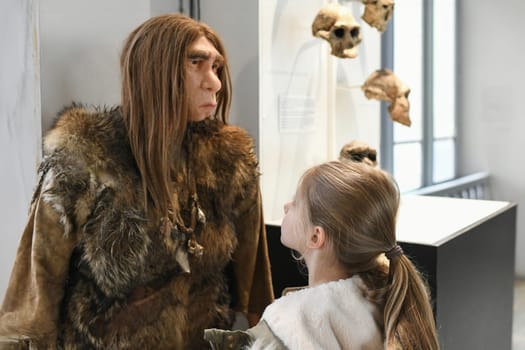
(311, 103)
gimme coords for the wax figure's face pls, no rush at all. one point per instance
(293, 228)
(202, 81)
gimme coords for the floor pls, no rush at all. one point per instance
(518, 324)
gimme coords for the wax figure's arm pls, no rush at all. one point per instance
(36, 287)
(251, 260)
(251, 280)
(258, 337)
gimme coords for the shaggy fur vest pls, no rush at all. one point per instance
(93, 269)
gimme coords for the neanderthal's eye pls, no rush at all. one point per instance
(216, 67)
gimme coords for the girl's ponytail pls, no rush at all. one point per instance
(408, 316)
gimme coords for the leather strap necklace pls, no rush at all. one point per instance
(183, 238)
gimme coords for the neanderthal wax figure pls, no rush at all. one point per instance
(146, 225)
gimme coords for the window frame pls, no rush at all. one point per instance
(427, 132)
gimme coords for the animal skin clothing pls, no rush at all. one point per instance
(94, 270)
(334, 315)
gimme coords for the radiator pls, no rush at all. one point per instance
(474, 186)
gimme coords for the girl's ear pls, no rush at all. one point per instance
(317, 238)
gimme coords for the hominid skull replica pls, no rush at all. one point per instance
(384, 85)
(336, 24)
(378, 13)
(360, 152)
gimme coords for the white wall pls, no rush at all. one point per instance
(297, 64)
(491, 89)
(19, 123)
(295, 71)
(80, 47)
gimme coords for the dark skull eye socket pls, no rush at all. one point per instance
(339, 32)
(354, 32)
(357, 157)
(385, 7)
(372, 157)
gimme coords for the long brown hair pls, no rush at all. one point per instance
(357, 205)
(154, 102)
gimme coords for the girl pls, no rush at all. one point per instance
(363, 293)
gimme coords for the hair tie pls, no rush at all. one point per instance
(395, 251)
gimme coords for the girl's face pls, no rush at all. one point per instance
(293, 230)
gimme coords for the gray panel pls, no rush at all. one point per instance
(475, 277)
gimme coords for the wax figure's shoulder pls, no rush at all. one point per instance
(87, 145)
(88, 133)
(86, 154)
(227, 151)
(240, 146)
(230, 142)
(237, 138)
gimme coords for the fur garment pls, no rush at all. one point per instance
(94, 271)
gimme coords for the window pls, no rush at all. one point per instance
(420, 47)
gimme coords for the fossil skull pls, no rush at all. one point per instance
(384, 85)
(378, 13)
(335, 24)
(358, 151)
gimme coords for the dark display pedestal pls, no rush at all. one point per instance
(465, 249)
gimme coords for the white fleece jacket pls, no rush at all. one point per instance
(330, 316)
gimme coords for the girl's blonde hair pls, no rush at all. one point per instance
(357, 204)
(154, 101)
